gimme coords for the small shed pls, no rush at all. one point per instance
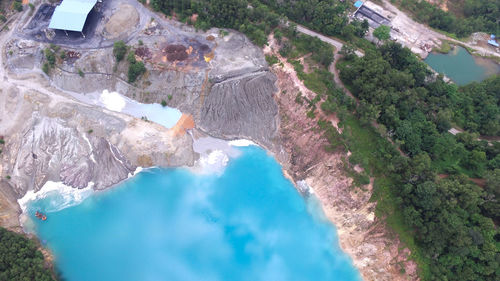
(493, 43)
(358, 4)
(71, 15)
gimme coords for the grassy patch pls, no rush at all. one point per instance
(371, 151)
(314, 81)
(367, 146)
(271, 59)
(444, 48)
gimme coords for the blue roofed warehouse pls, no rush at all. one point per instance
(71, 15)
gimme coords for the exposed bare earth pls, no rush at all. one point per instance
(125, 18)
(185, 123)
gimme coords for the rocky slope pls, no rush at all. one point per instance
(222, 80)
(374, 250)
(242, 107)
(51, 137)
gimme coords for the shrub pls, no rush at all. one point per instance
(46, 68)
(298, 98)
(55, 47)
(271, 59)
(310, 114)
(50, 56)
(131, 58)
(135, 70)
(18, 6)
(119, 50)
(163, 103)
(81, 73)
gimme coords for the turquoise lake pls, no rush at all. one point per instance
(462, 67)
(248, 223)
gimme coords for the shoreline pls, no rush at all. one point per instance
(273, 147)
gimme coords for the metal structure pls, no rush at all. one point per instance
(71, 15)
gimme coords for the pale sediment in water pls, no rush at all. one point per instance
(215, 153)
(60, 196)
(163, 115)
(67, 196)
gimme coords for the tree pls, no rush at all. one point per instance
(131, 58)
(348, 51)
(135, 70)
(119, 50)
(382, 33)
(50, 56)
(18, 6)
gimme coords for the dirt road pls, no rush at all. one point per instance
(334, 42)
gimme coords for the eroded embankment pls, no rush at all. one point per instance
(374, 250)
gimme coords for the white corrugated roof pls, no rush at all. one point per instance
(71, 14)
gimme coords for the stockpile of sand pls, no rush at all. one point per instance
(123, 20)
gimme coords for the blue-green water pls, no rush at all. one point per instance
(462, 67)
(249, 223)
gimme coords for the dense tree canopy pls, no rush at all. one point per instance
(451, 218)
(257, 18)
(20, 259)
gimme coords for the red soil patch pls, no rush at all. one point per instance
(144, 53)
(186, 122)
(175, 52)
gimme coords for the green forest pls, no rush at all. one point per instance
(450, 217)
(257, 18)
(20, 259)
(463, 17)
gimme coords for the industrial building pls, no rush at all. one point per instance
(71, 15)
(374, 19)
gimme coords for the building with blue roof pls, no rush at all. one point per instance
(71, 15)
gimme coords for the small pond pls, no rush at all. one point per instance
(461, 67)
